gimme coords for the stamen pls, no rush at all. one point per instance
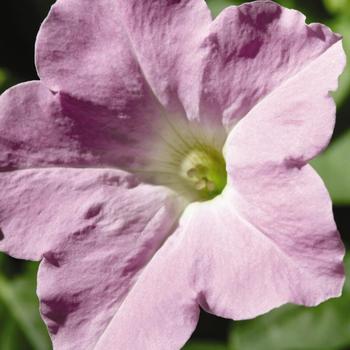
(200, 185)
(204, 170)
(211, 186)
(192, 172)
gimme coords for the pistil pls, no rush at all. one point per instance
(204, 171)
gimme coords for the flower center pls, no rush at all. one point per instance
(186, 157)
(204, 171)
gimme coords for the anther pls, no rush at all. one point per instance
(200, 185)
(192, 172)
(211, 186)
(204, 171)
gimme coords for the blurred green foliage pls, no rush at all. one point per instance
(334, 167)
(6, 79)
(21, 326)
(196, 345)
(341, 24)
(216, 6)
(326, 327)
(337, 6)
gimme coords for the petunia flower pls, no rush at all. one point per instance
(160, 166)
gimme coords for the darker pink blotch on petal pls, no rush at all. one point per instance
(95, 231)
(251, 50)
(44, 128)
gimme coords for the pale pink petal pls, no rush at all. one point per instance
(232, 266)
(251, 50)
(96, 230)
(102, 51)
(82, 51)
(166, 36)
(291, 125)
(161, 310)
(42, 128)
(119, 50)
(293, 251)
(248, 262)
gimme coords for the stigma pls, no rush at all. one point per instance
(204, 170)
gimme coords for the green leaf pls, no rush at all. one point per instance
(325, 327)
(287, 3)
(335, 6)
(21, 327)
(216, 6)
(334, 168)
(3, 78)
(195, 345)
(6, 79)
(8, 335)
(341, 25)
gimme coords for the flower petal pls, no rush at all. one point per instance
(84, 199)
(130, 48)
(251, 50)
(281, 201)
(108, 229)
(291, 125)
(248, 262)
(103, 54)
(83, 52)
(165, 36)
(161, 311)
(44, 129)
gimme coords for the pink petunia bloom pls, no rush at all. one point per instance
(160, 166)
